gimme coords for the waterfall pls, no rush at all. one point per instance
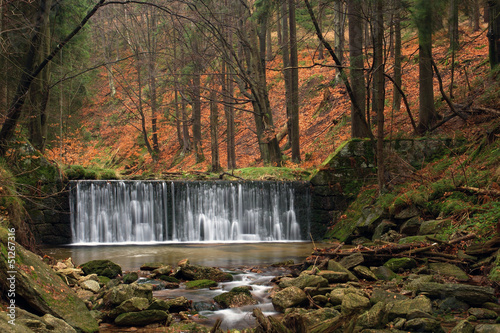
(111, 212)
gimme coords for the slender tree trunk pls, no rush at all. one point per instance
(196, 103)
(396, 99)
(152, 41)
(321, 47)
(294, 77)
(269, 41)
(427, 111)
(494, 32)
(287, 73)
(357, 78)
(186, 143)
(227, 95)
(214, 130)
(339, 24)
(379, 89)
(475, 15)
(140, 107)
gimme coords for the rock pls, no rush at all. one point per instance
(151, 266)
(336, 267)
(413, 239)
(123, 292)
(352, 303)
(33, 323)
(196, 272)
(130, 277)
(384, 273)
(308, 317)
(397, 264)
(450, 270)
(178, 304)
(352, 260)
(91, 285)
(334, 277)
(407, 213)
(492, 306)
(418, 314)
(411, 226)
(159, 304)
(481, 313)
(312, 291)
(42, 289)
(382, 228)
(392, 236)
(163, 270)
(404, 307)
(369, 215)
(200, 284)
(372, 318)
(93, 277)
(423, 325)
(70, 274)
(487, 328)
(320, 300)
(133, 304)
(364, 272)
(155, 284)
(384, 296)
(494, 274)
(105, 268)
(463, 326)
(305, 280)
(451, 304)
(288, 298)
(236, 297)
(336, 296)
(143, 318)
(84, 295)
(433, 226)
(472, 295)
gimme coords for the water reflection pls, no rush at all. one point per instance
(131, 257)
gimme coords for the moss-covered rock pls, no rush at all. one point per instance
(236, 297)
(495, 269)
(41, 288)
(200, 284)
(396, 264)
(449, 270)
(305, 280)
(288, 298)
(130, 277)
(143, 318)
(119, 294)
(196, 272)
(102, 268)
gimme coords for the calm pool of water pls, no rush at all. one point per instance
(131, 257)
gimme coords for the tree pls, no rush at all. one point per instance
(494, 32)
(396, 99)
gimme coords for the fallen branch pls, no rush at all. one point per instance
(483, 191)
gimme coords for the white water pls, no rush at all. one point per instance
(124, 212)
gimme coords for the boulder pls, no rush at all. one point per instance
(407, 213)
(352, 260)
(397, 264)
(163, 270)
(423, 325)
(481, 313)
(336, 267)
(364, 272)
(200, 284)
(178, 304)
(472, 295)
(353, 302)
(103, 267)
(487, 328)
(130, 277)
(463, 326)
(382, 228)
(159, 304)
(449, 270)
(236, 297)
(384, 273)
(383, 296)
(404, 307)
(433, 226)
(143, 318)
(39, 287)
(305, 280)
(451, 304)
(372, 318)
(369, 215)
(196, 272)
(119, 294)
(91, 285)
(494, 274)
(308, 317)
(334, 277)
(411, 226)
(151, 266)
(288, 298)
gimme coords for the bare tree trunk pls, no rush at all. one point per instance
(396, 99)
(321, 47)
(196, 103)
(494, 32)
(339, 29)
(285, 52)
(151, 43)
(294, 84)
(214, 130)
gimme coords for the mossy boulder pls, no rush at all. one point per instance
(196, 272)
(200, 284)
(143, 318)
(236, 297)
(336, 267)
(402, 308)
(449, 270)
(103, 267)
(397, 264)
(119, 294)
(495, 269)
(353, 302)
(288, 298)
(151, 266)
(305, 280)
(178, 304)
(308, 317)
(41, 288)
(130, 277)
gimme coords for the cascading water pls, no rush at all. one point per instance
(110, 212)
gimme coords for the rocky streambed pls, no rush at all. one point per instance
(335, 290)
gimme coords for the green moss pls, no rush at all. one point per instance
(200, 284)
(272, 173)
(78, 172)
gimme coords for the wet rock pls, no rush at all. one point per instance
(163, 270)
(178, 304)
(159, 304)
(236, 297)
(151, 266)
(196, 272)
(142, 318)
(130, 277)
(481, 313)
(472, 295)
(352, 303)
(463, 326)
(372, 318)
(155, 284)
(200, 284)
(102, 267)
(423, 325)
(336, 267)
(404, 307)
(288, 298)
(449, 270)
(42, 289)
(133, 304)
(397, 264)
(91, 285)
(364, 272)
(433, 226)
(334, 277)
(384, 273)
(487, 328)
(123, 292)
(305, 280)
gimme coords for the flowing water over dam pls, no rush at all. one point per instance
(127, 212)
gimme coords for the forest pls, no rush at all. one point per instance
(386, 113)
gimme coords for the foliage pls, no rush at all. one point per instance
(272, 173)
